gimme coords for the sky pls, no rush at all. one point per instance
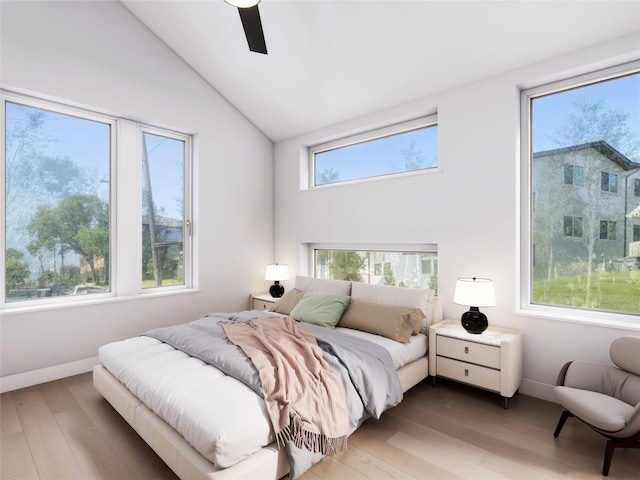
(86, 143)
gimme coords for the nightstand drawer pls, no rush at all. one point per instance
(261, 304)
(470, 352)
(468, 373)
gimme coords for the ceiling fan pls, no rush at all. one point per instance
(250, 17)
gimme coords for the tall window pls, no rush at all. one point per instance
(408, 147)
(61, 212)
(413, 269)
(586, 133)
(163, 162)
(57, 177)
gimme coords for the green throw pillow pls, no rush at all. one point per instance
(322, 309)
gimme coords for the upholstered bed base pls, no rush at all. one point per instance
(269, 462)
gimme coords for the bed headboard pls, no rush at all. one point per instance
(424, 298)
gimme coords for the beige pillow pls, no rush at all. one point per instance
(391, 321)
(287, 302)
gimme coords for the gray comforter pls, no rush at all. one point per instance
(370, 381)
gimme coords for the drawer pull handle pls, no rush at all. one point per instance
(466, 372)
(466, 350)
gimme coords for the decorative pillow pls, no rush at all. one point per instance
(323, 309)
(335, 287)
(286, 303)
(397, 296)
(397, 323)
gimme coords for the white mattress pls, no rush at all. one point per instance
(219, 416)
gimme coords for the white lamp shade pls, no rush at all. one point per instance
(277, 272)
(475, 292)
(243, 3)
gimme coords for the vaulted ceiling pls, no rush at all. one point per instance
(331, 61)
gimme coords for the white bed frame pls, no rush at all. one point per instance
(268, 463)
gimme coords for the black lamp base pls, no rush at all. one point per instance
(276, 290)
(474, 321)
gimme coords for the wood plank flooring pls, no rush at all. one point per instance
(66, 430)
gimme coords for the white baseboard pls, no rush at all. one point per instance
(42, 375)
(538, 390)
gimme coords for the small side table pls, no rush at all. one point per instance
(491, 360)
(261, 301)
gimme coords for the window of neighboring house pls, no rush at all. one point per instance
(407, 147)
(61, 213)
(573, 175)
(636, 187)
(572, 226)
(608, 182)
(608, 230)
(414, 267)
(636, 233)
(591, 122)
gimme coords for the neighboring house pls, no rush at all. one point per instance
(583, 197)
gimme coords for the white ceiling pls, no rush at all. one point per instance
(331, 61)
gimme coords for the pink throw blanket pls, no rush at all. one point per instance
(305, 398)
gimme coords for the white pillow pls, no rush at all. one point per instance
(397, 296)
(334, 287)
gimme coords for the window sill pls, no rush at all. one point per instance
(86, 302)
(600, 319)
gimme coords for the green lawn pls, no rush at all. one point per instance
(613, 291)
(149, 282)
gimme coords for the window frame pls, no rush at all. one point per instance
(396, 248)
(125, 206)
(369, 136)
(524, 305)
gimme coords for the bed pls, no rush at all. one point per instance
(176, 402)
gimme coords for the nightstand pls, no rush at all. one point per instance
(491, 360)
(261, 301)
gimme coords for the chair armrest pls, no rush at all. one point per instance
(562, 374)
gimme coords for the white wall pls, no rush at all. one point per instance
(470, 208)
(99, 55)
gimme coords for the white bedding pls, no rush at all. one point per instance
(220, 417)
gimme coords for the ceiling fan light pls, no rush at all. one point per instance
(243, 3)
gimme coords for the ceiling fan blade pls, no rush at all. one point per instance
(253, 29)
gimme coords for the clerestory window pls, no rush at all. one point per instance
(399, 149)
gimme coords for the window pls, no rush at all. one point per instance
(408, 147)
(163, 162)
(636, 233)
(572, 226)
(573, 175)
(607, 230)
(61, 211)
(583, 132)
(609, 182)
(636, 187)
(415, 268)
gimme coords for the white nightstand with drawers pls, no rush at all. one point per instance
(491, 360)
(261, 301)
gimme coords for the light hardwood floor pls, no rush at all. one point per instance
(66, 430)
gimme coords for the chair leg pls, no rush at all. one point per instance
(608, 455)
(563, 418)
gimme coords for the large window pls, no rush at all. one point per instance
(62, 206)
(584, 133)
(408, 147)
(416, 267)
